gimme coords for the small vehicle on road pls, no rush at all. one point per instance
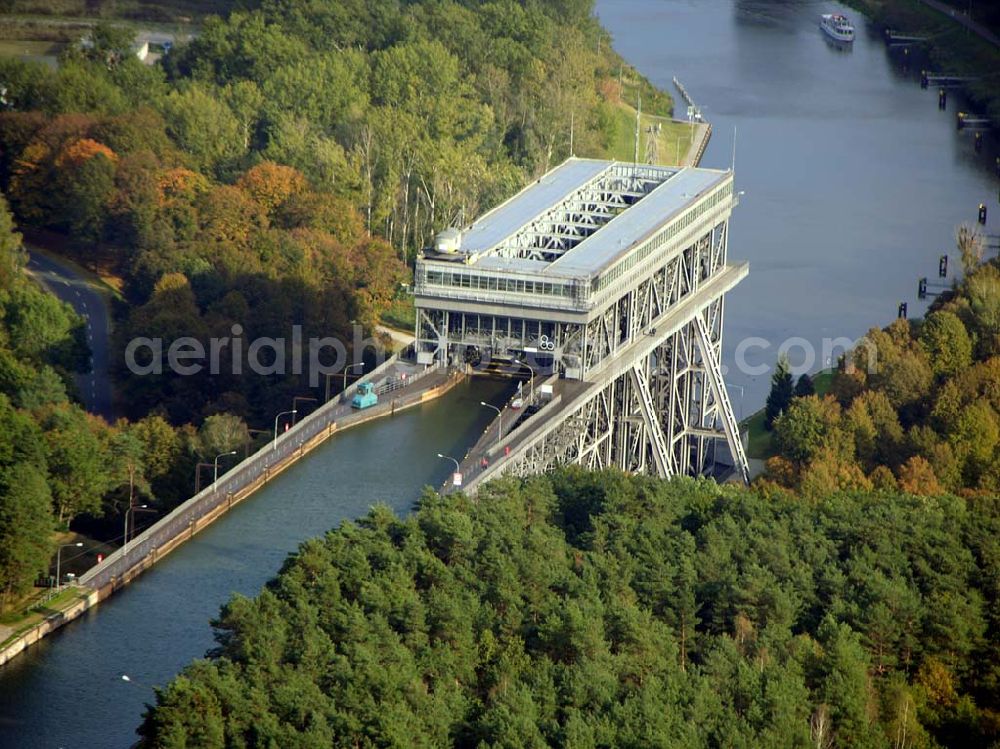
(366, 397)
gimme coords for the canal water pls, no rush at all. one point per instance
(68, 691)
(854, 183)
(854, 180)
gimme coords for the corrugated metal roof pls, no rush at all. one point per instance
(603, 247)
(633, 225)
(535, 199)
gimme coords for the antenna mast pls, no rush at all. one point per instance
(638, 117)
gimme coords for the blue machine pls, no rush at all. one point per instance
(366, 396)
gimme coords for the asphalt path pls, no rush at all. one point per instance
(82, 294)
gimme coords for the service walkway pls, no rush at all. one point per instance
(401, 384)
(569, 396)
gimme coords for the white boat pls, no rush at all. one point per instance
(836, 26)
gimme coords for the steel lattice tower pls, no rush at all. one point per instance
(609, 279)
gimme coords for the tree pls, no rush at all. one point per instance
(205, 127)
(804, 387)
(975, 438)
(12, 254)
(78, 462)
(128, 470)
(971, 246)
(222, 433)
(42, 329)
(807, 426)
(110, 42)
(830, 470)
(781, 393)
(845, 684)
(25, 529)
(916, 476)
(271, 184)
(161, 444)
(89, 188)
(982, 289)
(947, 343)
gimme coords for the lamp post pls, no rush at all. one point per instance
(499, 419)
(295, 402)
(215, 476)
(347, 369)
(59, 561)
(448, 457)
(131, 508)
(274, 444)
(456, 477)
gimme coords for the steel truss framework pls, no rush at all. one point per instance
(582, 213)
(666, 411)
(650, 419)
(661, 411)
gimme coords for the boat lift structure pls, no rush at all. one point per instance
(610, 278)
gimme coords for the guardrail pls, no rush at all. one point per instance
(259, 466)
(703, 145)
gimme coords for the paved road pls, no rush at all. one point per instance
(90, 304)
(399, 338)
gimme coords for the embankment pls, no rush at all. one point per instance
(197, 513)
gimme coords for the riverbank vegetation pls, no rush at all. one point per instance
(593, 609)
(156, 11)
(952, 49)
(280, 169)
(915, 407)
(285, 165)
(41, 346)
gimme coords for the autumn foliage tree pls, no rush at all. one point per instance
(918, 399)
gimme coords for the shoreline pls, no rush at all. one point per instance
(91, 596)
(958, 50)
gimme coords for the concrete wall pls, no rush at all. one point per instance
(142, 563)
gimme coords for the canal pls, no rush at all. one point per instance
(68, 691)
(854, 180)
(854, 183)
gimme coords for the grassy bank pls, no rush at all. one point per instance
(40, 603)
(15, 624)
(401, 315)
(673, 139)
(952, 49)
(760, 443)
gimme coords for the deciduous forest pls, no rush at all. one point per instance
(279, 169)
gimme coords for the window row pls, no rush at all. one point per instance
(494, 283)
(668, 233)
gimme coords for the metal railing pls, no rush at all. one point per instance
(257, 466)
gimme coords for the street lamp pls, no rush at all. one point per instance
(59, 560)
(499, 419)
(448, 457)
(274, 444)
(295, 403)
(131, 508)
(215, 478)
(347, 369)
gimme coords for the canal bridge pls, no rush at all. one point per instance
(607, 281)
